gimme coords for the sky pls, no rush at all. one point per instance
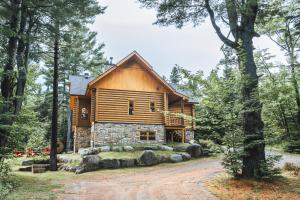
(126, 27)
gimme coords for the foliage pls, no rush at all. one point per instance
(269, 171)
(7, 180)
(211, 146)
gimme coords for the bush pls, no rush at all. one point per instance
(211, 146)
(268, 169)
(7, 180)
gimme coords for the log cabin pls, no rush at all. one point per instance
(128, 104)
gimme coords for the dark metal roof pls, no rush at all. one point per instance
(78, 84)
(192, 98)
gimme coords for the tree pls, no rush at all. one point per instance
(175, 77)
(240, 19)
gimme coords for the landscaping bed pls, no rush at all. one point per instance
(113, 157)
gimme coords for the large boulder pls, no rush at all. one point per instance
(163, 159)
(176, 158)
(180, 148)
(87, 151)
(90, 163)
(109, 164)
(104, 148)
(127, 162)
(128, 148)
(147, 158)
(165, 148)
(117, 148)
(195, 150)
(185, 156)
(153, 147)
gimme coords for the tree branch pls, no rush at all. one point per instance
(227, 41)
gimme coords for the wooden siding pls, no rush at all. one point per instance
(75, 111)
(112, 106)
(188, 110)
(93, 105)
(131, 76)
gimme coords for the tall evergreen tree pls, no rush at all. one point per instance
(240, 17)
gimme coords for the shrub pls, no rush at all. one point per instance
(7, 180)
(211, 146)
(268, 169)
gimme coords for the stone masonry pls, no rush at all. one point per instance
(82, 137)
(122, 133)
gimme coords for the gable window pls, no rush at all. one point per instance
(147, 135)
(130, 107)
(152, 106)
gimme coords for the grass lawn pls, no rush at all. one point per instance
(287, 187)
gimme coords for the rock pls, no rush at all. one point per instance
(128, 148)
(163, 159)
(109, 164)
(180, 148)
(195, 150)
(205, 152)
(147, 158)
(80, 170)
(176, 158)
(192, 142)
(117, 148)
(185, 156)
(151, 148)
(165, 148)
(87, 151)
(63, 159)
(104, 148)
(25, 169)
(127, 162)
(90, 163)
(27, 162)
(44, 161)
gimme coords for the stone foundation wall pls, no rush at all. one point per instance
(121, 133)
(82, 137)
(189, 135)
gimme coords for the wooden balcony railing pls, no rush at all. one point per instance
(174, 120)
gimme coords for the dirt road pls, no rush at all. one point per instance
(165, 182)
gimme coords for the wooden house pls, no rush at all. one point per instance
(129, 103)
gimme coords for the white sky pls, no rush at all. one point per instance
(126, 27)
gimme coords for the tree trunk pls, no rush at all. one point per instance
(252, 123)
(7, 80)
(22, 60)
(53, 154)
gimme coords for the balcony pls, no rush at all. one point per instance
(173, 119)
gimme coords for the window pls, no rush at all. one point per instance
(84, 115)
(147, 135)
(131, 107)
(152, 106)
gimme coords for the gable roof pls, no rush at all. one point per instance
(79, 84)
(146, 65)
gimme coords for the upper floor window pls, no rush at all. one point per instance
(84, 115)
(152, 106)
(131, 107)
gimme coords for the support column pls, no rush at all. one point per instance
(182, 111)
(183, 135)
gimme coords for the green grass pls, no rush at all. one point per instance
(36, 186)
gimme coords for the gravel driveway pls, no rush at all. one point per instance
(163, 182)
(166, 182)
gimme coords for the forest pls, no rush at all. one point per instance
(249, 101)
